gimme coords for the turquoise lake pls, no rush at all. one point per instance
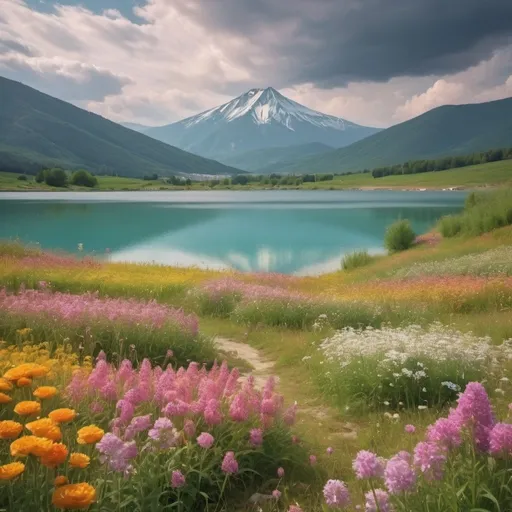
(293, 232)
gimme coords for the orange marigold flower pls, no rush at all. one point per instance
(30, 445)
(10, 429)
(12, 470)
(90, 434)
(74, 496)
(45, 427)
(55, 456)
(43, 392)
(5, 385)
(62, 415)
(5, 399)
(24, 382)
(79, 460)
(60, 480)
(27, 408)
(29, 370)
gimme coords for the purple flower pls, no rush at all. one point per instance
(501, 439)
(280, 472)
(137, 425)
(368, 465)
(378, 502)
(430, 459)
(229, 463)
(205, 440)
(276, 494)
(474, 412)
(177, 479)
(336, 494)
(312, 460)
(399, 475)
(116, 453)
(445, 431)
(256, 437)
(410, 429)
(164, 433)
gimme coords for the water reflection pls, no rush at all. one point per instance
(301, 236)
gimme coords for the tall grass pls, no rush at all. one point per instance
(399, 236)
(483, 212)
(356, 259)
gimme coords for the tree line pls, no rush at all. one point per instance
(441, 164)
(58, 177)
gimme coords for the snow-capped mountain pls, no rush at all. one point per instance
(258, 119)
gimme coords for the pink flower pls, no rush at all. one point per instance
(430, 458)
(276, 494)
(137, 425)
(336, 494)
(229, 463)
(330, 450)
(238, 410)
(256, 436)
(312, 460)
(474, 412)
(189, 428)
(289, 414)
(177, 479)
(280, 472)
(410, 429)
(212, 413)
(368, 465)
(164, 434)
(295, 508)
(205, 440)
(378, 502)
(445, 431)
(399, 475)
(501, 439)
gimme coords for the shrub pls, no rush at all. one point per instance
(356, 259)
(56, 177)
(483, 212)
(22, 177)
(399, 236)
(84, 179)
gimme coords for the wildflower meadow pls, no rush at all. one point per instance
(386, 386)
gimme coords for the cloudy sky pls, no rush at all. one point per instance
(374, 62)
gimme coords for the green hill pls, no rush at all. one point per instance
(39, 130)
(267, 160)
(444, 131)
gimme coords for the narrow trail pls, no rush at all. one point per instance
(310, 411)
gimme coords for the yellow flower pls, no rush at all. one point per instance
(55, 456)
(45, 427)
(79, 460)
(74, 496)
(10, 429)
(5, 399)
(27, 408)
(43, 392)
(60, 480)
(62, 415)
(12, 470)
(29, 370)
(30, 445)
(23, 382)
(5, 385)
(24, 332)
(90, 434)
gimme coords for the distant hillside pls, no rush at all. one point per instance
(39, 130)
(141, 128)
(266, 160)
(444, 131)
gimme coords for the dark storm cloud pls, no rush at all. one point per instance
(332, 42)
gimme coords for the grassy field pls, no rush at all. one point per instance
(484, 175)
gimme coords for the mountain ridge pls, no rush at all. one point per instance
(257, 119)
(38, 130)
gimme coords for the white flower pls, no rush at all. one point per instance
(386, 402)
(451, 385)
(504, 379)
(500, 391)
(422, 407)
(306, 358)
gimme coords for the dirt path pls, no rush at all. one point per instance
(311, 410)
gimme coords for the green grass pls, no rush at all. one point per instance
(356, 259)
(475, 176)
